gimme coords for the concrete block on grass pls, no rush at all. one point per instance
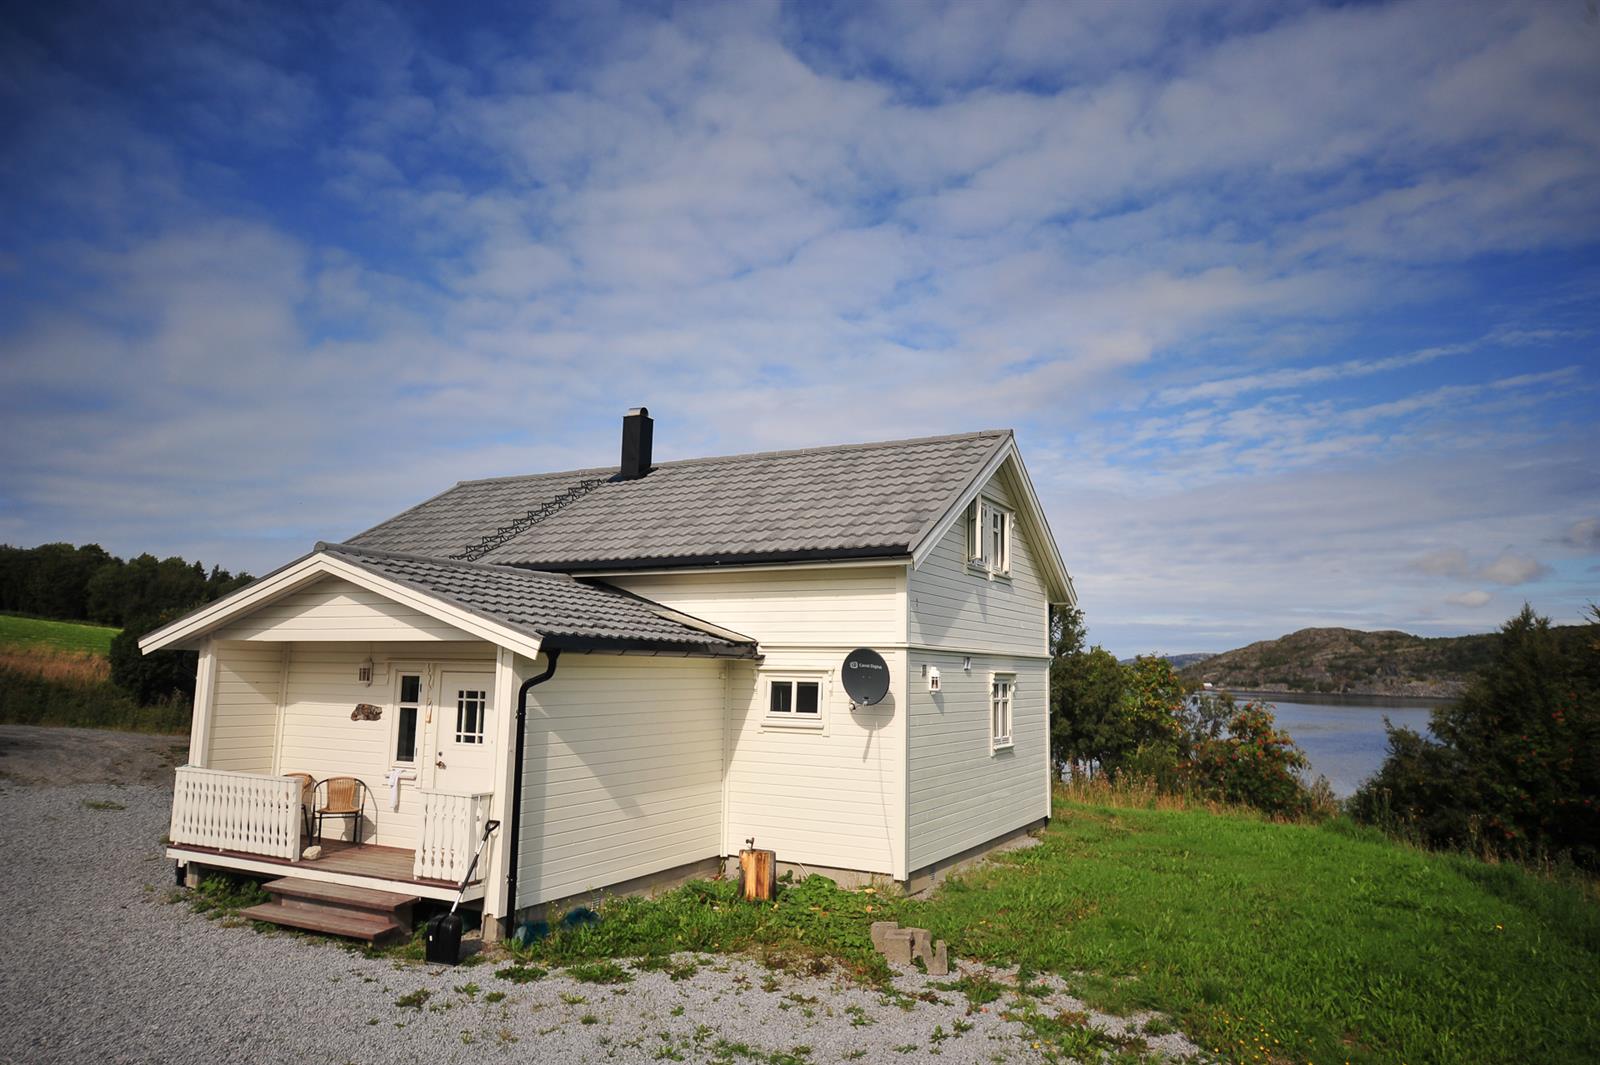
(897, 946)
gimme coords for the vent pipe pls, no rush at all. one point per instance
(637, 430)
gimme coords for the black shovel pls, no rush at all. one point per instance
(443, 932)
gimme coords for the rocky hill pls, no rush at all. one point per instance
(1348, 660)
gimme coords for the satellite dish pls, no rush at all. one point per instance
(866, 676)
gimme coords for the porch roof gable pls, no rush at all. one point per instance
(525, 610)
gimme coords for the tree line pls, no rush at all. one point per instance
(88, 583)
(1511, 769)
(1141, 722)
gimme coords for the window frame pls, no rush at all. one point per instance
(980, 537)
(481, 735)
(396, 704)
(1002, 708)
(794, 719)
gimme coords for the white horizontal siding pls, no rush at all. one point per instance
(337, 610)
(622, 774)
(833, 797)
(777, 606)
(320, 738)
(961, 794)
(244, 707)
(953, 607)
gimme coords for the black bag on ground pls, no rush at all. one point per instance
(442, 938)
(442, 934)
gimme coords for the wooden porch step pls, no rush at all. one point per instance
(291, 891)
(352, 924)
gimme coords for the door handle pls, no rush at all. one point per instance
(439, 762)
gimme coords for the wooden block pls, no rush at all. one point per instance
(758, 869)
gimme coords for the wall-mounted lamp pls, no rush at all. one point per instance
(364, 672)
(966, 663)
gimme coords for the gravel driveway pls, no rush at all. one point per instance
(98, 965)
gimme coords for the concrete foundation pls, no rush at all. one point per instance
(648, 885)
(927, 878)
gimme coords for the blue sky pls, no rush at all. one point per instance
(1294, 308)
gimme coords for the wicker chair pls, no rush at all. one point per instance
(308, 793)
(340, 798)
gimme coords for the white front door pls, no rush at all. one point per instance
(463, 731)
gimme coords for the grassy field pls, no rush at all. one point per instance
(59, 635)
(57, 673)
(1265, 942)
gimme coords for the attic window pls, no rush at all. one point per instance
(989, 536)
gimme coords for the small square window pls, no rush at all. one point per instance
(794, 701)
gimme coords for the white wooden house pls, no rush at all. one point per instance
(671, 637)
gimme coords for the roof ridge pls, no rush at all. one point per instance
(866, 445)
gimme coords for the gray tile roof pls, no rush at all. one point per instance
(561, 610)
(856, 500)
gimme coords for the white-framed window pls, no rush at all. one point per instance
(989, 536)
(795, 700)
(407, 714)
(471, 709)
(1002, 688)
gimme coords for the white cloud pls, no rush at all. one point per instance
(1472, 599)
(1445, 562)
(1168, 242)
(1513, 568)
(1584, 534)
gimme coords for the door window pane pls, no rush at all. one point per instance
(469, 715)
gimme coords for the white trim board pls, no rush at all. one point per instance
(314, 567)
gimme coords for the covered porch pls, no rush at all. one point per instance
(253, 823)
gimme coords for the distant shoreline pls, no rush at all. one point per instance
(1374, 700)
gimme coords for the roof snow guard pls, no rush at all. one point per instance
(527, 610)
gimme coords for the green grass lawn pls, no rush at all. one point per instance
(1264, 942)
(62, 635)
(1294, 942)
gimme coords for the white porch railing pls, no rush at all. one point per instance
(452, 824)
(245, 812)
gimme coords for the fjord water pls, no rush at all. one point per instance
(1342, 735)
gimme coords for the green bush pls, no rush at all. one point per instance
(1254, 764)
(29, 699)
(1514, 768)
(155, 677)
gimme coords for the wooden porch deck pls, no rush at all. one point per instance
(340, 859)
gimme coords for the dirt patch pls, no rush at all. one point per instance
(41, 757)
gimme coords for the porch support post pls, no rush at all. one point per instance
(496, 907)
(205, 688)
